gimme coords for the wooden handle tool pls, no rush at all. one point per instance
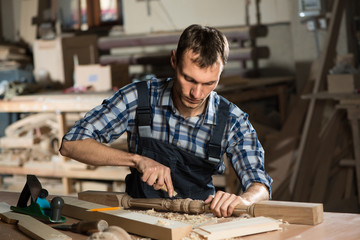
(84, 227)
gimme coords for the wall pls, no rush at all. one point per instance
(10, 19)
(170, 15)
(304, 46)
(13, 13)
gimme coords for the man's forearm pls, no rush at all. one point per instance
(91, 152)
(255, 193)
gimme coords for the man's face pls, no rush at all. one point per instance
(193, 84)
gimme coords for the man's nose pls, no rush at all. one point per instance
(196, 91)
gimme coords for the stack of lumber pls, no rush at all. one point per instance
(8, 52)
(12, 56)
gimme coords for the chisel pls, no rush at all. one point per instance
(164, 188)
(84, 227)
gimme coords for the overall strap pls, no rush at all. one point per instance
(143, 111)
(214, 147)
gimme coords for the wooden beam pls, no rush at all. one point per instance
(132, 222)
(291, 212)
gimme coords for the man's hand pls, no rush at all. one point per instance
(223, 203)
(155, 174)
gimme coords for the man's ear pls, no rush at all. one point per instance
(173, 59)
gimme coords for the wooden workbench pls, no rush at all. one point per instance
(335, 226)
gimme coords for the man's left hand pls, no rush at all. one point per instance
(223, 203)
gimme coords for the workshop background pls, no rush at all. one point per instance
(293, 67)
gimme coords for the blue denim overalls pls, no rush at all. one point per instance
(191, 175)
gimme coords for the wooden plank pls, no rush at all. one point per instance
(105, 198)
(136, 223)
(56, 102)
(238, 228)
(30, 226)
(356, 143)
(16, 142)
(307, 167)
(60, 170)
(324, 156)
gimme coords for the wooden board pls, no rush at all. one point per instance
(30, 226)
(101, 197)
(238, 228)
(132, 222)
(291, 212)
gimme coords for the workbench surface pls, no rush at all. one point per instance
(335, 226)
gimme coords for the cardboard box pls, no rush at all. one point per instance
(343, 83)
(101, 78)
(56, 57)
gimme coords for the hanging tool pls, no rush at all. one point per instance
(84, 227)
(39, 207)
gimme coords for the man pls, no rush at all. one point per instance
(178, 130)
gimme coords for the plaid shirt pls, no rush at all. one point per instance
(106, 122)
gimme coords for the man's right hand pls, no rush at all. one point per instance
(91, 152)
(155, 174)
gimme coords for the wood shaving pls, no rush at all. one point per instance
(163, 223)
(193, 236)
(194, 220)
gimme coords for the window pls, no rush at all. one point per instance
(87, 14)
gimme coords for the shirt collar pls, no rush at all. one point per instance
(210, 113)
(165, 100)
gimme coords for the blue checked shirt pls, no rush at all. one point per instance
(108, 121)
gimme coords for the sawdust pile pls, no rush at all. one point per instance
(194, 220)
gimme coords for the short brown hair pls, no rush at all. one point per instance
(206, 41)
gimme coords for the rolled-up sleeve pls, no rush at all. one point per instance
(108, 121)
(246, 153)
